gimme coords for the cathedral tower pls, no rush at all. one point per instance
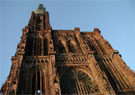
(66, 62)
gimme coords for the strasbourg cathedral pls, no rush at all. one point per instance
(66, 62)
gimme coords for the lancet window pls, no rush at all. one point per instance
(71, 46)
(38, 23)
(29, 43)
(62, 47)
(45, 46)
(38, 80)
(95, 46)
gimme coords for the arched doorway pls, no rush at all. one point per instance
(67, 83)
(77, 83)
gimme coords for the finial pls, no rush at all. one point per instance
(41, 6)
(41, 9)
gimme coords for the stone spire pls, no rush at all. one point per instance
(40, 10)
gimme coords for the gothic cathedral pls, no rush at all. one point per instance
(66, 62)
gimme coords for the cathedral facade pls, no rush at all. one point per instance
(66, 62)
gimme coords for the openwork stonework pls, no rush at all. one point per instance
(66, 62)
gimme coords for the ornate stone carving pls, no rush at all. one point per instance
(58, 62)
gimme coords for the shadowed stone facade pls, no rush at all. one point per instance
(66, 62)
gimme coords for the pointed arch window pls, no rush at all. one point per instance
(45, 47)
(61, 47)
(29, 44)
(38, 22)
(38, 82)
(71, 46)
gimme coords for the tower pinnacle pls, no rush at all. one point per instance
(41, 9)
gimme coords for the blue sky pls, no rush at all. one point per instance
(115, 19)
